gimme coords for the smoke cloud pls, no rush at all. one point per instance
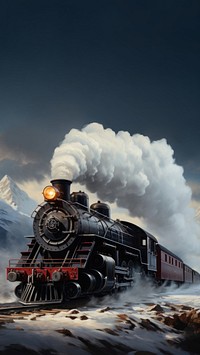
(137, 174)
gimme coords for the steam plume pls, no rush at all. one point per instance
(137, 174)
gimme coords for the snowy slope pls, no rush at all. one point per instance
(13, 226)
(15, 223)
(15, 197)
(15, 210)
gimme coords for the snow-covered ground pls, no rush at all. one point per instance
(143, 320)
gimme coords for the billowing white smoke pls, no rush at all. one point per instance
(137, 174)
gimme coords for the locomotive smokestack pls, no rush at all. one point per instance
(63, 186)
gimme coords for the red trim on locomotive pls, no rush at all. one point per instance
(43, 274)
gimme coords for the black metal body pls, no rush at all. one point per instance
(77, 251)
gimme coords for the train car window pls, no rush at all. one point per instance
(144, 242)
(172, 261)
(166, 257)
(175, 262)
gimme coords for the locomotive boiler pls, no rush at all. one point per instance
(77, 250)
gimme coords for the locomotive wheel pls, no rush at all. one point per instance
(87, 282)
(72, 290)
(19, 290)
(99, 279)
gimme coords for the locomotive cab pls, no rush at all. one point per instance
(146, 243)
(151, 252)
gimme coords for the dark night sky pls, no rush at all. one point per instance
(129, 64)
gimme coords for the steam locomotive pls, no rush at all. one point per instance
(77, 250)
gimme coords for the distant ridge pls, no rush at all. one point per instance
(15, 197)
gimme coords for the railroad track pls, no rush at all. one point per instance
(18, 308)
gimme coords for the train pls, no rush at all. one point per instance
(78, 250)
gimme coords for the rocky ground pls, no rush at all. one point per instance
(164, 323)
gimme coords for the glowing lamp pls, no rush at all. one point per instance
(50, 193)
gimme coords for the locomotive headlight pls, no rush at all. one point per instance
(50, 193)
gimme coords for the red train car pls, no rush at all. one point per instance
(169, 266)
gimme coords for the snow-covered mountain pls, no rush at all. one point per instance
(15, 210)
(13, 227)
(15, 223)
(15, 197)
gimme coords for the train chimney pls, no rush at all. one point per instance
(63, 186)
